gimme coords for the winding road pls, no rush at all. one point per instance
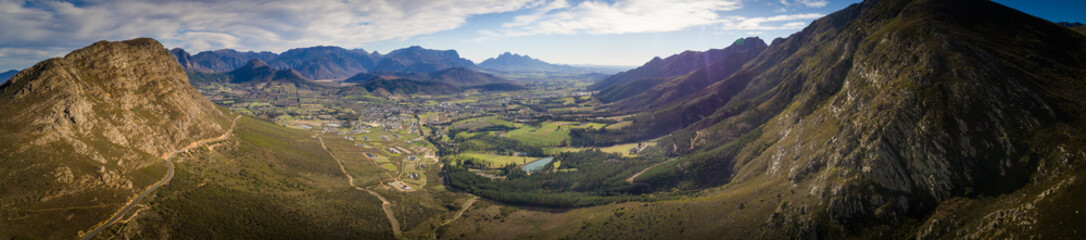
(467, 204)
(169, 175)
(385, 205)
(631, 179)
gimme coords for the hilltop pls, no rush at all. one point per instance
(95, 124)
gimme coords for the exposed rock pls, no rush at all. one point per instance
(67, 119)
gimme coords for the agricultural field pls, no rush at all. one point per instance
(482, 122)
(496, 161)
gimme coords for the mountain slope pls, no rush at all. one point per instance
(659, 68)
(87, 131)
(651, 92)
(418, 59)
(887, 110)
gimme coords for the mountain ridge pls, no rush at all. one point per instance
(94, 123)
(877, 136)
(650, 92)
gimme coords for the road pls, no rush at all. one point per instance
(631, 179)
(467, 204)
(169, 175)
(385, 205)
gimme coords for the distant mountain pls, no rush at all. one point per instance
(91, 129)
(1071, 24)
(418, 59)
(434, 82)
(650, 92)
(255, 74)
(515, 63)
(229, 59)
(891, 118)
(671, 66)
(1077, 26)
(7, 75)
(392, 85)
(319, 62)
(326, 62)
(187, 62)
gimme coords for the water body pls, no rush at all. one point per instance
(537, 164)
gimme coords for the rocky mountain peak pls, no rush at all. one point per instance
(255, 63)
(874, 134)
(128, 93)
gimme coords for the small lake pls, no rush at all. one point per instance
(537, 164)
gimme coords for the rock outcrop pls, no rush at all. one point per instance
(94, 120)
(888, 110)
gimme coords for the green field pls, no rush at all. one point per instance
(623, 149)
(546, 134)
(481, 122)
(618, 125)
(497, 160)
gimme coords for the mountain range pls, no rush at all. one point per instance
(328, 62)
(889, 118)
(638, 89)
(438, 82)
(1077, 26)
(919, 119)
(516, 63)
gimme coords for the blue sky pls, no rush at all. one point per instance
(605, 32)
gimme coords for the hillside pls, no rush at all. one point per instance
(659, 68)
(418, 59)
(838, 132)
(85, 132)
(651, 92)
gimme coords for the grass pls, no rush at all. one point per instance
(618, 125)
(546, 134)
(226, 193)
(482, 122)
(623, 149)
(498, 160)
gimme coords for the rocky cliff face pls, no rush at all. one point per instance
(886, 110)
(95, 120)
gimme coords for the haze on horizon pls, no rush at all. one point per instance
(613, 32)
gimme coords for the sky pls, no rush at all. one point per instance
(600, 32)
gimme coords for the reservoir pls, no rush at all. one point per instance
(537, 164)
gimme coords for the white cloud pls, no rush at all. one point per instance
(198, 25)
(622, 16)
(806, 3)
(769, 23)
